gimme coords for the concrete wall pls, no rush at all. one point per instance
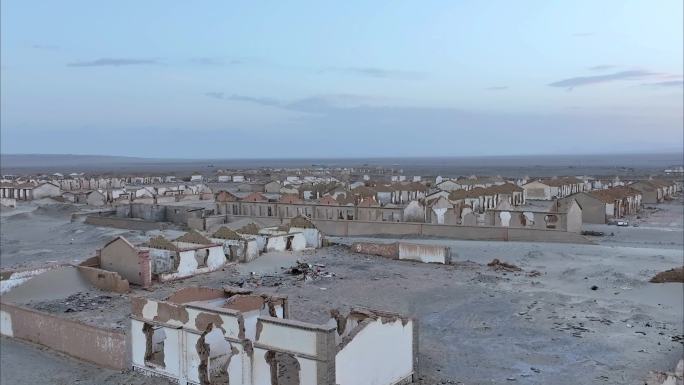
(100, 346)
(359, 228)
(121, 257)
(593, 210)
(405, 251)
(312, 345)
(124, 223)
(424, 253)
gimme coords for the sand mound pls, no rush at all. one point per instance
(55, 210)
(19, 217)
(672, 275)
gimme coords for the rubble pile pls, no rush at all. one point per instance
(308, 272)
(82, 301)
(502, 266)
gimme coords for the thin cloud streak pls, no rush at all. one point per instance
(319, 104)
(666, 84)
(113, 62)
(580, 81)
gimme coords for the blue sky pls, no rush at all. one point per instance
(235, 79)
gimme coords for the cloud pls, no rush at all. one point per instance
(215, 61)
(602, 67)
(667, 83)
(241, 98)
(497, 88)
(374, 72)
(318, 104)
(580, 81)
(110, 62)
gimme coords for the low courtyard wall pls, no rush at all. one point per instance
(103, 347)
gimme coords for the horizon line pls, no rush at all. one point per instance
(668, 152)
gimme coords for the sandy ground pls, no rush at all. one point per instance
(28, 364)
(39, 233)
(477, 325)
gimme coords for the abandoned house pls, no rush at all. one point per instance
(29, 191)
(160, 259)
(232, 336)
(593, 208)
(236, 247)
(619, 201)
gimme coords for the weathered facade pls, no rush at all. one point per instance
(207, 336)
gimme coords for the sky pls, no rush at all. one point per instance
(355, 78)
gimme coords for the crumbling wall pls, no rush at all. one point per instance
(312, 345)
(186, 328)
(387, 250)
(104, 280)
(425, 253)
(188, 263)
(276, 243)
(381, 349)
(122, 257)
(312, 236)
(405, 251)
(100, 346)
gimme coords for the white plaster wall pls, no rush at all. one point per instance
(216, 258)
(252, 250)
(378, 355)
(251, 320)
(6, 324)
(425, 254)
(288, 338)
(261, 242)
(187, 264)
(191, 359)
(529, 217)
(298, 242)
(505, 218)
(276, 243)
(440, 215)
(172, 351)
(312, 236)
(138, 343)
(261, 371)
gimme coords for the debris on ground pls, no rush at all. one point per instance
(672, 275)
(594, 287)
(498, 265)
(593, 233)
(308, 271)
(667, 378)
(82, 301)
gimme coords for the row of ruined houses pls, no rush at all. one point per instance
(440, 210)
(161, 259)
(216, 335)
